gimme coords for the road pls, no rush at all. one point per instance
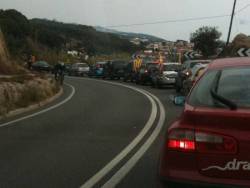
(66, 143)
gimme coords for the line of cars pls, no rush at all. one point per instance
(149, 73)
(181, 76)
(76, 69)
(209, 144)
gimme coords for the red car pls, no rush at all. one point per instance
(210, 143)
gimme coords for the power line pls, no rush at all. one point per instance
(179, 20)
(171, 21)
(242, 9)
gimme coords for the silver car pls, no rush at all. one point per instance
(79, 69)
(166, 74)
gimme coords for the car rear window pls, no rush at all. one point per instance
(119, 64)
(172, 67)
(234, 85)
(82, 65)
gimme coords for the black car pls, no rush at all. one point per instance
(41, 66)
(145, 73)
(129, 74)
(185, 72)
(114, 69)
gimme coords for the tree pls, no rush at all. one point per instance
(206, 40)
(16, 29)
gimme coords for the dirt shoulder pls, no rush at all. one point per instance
(23, 92)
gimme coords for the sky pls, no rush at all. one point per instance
(115, 13)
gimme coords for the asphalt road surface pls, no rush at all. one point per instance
(96, 134)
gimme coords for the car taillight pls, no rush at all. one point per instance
(181, 139)
(201, 142)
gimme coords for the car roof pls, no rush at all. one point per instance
(172, 63)
(80, 63)
(200, 65)
(229, 62)
(41, 62)
(198, 60)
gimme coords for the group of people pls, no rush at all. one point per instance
(137, 63)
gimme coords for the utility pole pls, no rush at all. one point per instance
(231, 23)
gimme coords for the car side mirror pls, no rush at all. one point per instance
(179, 100)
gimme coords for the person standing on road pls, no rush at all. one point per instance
(136, 67)
(59, 69)
(137, 64)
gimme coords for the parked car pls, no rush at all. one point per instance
(79, 69)
(96, 70)
(210, 143)
(196, 72)
(165, 75)
(145, 73)
(41, 66)
(114, 69)
(186, 72)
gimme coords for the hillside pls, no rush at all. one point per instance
(129, 35)
(25, 36)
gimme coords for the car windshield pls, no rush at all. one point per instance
(234, 85)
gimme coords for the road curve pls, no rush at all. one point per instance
(65, 146)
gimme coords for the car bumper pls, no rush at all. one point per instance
(79, 73)
(181, 168)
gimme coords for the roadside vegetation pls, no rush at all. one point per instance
(22, 91)
(50, 40)
(207, 40)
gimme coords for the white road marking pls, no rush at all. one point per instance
(124, 170)
(43, 111)
(106, 169)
